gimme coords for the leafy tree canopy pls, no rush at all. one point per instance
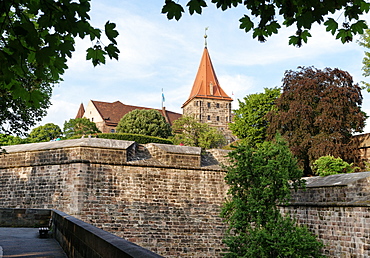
(318, 112)
(37, 37)
(79, 126)
(259, 180)
(146, 122)
(189, 132)
(365, 42)
(45, 133)
(18, 114)
(250, 123)
(265, 18)
(6, 139)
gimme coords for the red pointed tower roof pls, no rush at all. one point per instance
(206, 85)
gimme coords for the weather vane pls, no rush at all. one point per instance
(205, 37)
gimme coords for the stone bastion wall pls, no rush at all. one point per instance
(164, 198)
(168, 198)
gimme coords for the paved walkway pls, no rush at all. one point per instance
(25, 242)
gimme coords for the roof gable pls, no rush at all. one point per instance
(81, 111)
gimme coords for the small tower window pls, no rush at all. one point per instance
(92, 119)
(208, 117)
(208, 104)
(227, 119)
(217, 105)
(218, 118)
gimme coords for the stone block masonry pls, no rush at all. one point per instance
(168, 198)
(169, 204)
(337, 209)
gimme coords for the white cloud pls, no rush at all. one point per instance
(60, 111)
(237, 86)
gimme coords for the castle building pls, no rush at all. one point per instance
(106, 115)
(208, 102)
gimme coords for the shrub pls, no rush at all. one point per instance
(144, 122)
(328, 165)
(189, 132)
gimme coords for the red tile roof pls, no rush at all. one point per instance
(206, 84)
(113, 112)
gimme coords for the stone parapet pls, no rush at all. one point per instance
(67, 151)
(80, 239)
(175, 154)
(335, 190)
(336, 209)
(220, 156)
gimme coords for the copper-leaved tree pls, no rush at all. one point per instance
(317, 113)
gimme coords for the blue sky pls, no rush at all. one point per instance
(157, 53)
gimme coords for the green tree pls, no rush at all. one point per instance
(37, 37)
(45, 133)
(365, 42)
(318, 112)
(79, 126)
(328, 165)
(146, 122)
(189, 132)
(265, 18)
(259, 180)
(6, 139)
(250, 123)
(17, 114)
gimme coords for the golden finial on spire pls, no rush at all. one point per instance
(205, 37)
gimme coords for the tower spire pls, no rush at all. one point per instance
(206, 84)
(205, 37)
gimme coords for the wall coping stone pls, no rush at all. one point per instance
(178, 149)
(82, 142)
(335, 180)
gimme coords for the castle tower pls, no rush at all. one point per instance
(207, 102)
